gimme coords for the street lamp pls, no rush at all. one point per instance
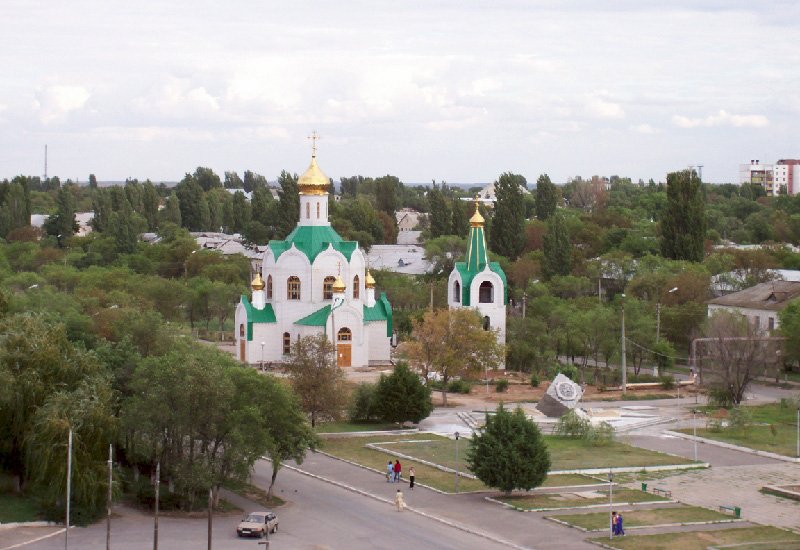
(262, 356)
(798, 430)
(658, 314)
(622, 345)
(694, 430)
(610, 504)
(457, 434)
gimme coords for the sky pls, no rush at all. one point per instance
(456, 91)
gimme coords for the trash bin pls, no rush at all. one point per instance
(644, 487)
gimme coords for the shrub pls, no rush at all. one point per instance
(719, 396)
(459, 386)
(667, 382)
(535, 380)
(572, 425)
(402, 397)
(601, 434)
(363, 406)
(740, 419)
(501, 385)
(568, 370)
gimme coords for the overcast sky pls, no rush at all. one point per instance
(459, 91)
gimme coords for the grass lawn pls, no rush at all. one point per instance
(760, 437)
(354, 449)
(256, 494)
(572, 500)
(14, 508)
(701, 540)
(645, 517)
(565, 453)
(342, 427)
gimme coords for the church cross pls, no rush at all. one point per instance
(314, 137)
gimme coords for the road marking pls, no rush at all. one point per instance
(21, 544)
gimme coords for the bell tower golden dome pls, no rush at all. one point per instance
(313, 181)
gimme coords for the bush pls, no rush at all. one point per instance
(535, 380)
(719, 396)
(363, 406)
(459, 386)
(568, 370)
(572, 425)
(501, 385)
(740, 419)
(667, 382)
(601, 434)
(402, 397)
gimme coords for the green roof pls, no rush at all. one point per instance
(466, 280)
(313, 239)
(266, 315)
(476, 250)
(381, 311)
(317, 319)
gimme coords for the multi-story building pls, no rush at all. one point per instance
(787, 173)
(757, 173)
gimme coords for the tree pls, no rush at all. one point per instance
(402, 397)
(452, 342)
(206, 178)
(790, 328)
(557, 247)
(289, 197)
(387, 189)
(508, 227)
(193, 205)
(509, 453)
(252, 181)
(172, 210)
(318, 382)
(546, 197)
(92, 181)
(683, 226)
(62, 224)
(233, 181)
(459, 218)
(439, 213)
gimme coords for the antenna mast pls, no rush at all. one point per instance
(45, 162)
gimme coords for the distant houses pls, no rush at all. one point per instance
(760, 303)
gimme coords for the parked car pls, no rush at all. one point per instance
(257, 524)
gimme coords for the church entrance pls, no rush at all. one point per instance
(344, 346)
(241, 350)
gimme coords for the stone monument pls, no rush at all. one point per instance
(561, 397)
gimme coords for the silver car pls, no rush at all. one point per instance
(258, 524)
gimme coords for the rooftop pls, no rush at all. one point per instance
(773, 295)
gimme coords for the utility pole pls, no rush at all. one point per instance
(69, 487)
(622, 340)
(210, 509)
(110, 496)
(45, 162)
(155, 526)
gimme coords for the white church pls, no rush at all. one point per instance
(310, 283)
(478, 283)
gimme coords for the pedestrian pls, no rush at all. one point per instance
(399, 502)
(613, 523)
(411, 477)
(397, 471)
(620, 530)
(389, 472)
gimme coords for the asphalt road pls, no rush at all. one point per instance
(318, 516)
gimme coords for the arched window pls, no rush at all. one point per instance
(317, 210)
(486, 293)
(293, 288)
(269, 287)
(287, 343)
(327, 288)
(308, 210)
(344, 335)
(241, 330)
(457, 292)
(356, 291)
(487, 323)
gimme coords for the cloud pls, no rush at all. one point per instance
(54, 103)
(644, 129)
(601, 108)
(723, 118)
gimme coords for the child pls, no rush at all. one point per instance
(411, 477)
(389, 472)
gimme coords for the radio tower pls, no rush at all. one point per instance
(700, 171)
(45, 162)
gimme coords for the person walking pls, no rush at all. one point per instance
(399, 501)
(398, 470)
(389, 472)
(613, 523)
(411, 476)
(620, 529)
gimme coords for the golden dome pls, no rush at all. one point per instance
(338, 285)
(258, 282)
(370, 281)
(476, 220)
(313, 181)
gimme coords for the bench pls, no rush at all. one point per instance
(662, 492)
(735, 510)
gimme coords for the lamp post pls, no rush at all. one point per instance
(622, 345)
(262, 356)
(69, 487)
(658, 314)
(694, 431)
(798, 430)
(457, 434)
(610, 504)
(110, 495)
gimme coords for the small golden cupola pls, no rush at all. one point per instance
(476, 220)
(338, 285)
(258, 282)
(313, 181)
(370, 281)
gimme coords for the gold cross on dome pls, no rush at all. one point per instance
(314, 137)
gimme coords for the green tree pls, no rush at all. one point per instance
(547, 196)
(402, 397)
(62, 224)
(318, 382)
(460, 220)
(233, 181)
(206, 178)
(557, 247)
(192, 202)
(508, 223)
(790, 328)
(387, 190)
(289, 197)
(683, 226)
(241, 212)
(172, 210)
(92, 181)
(150, 203)
(509, 453)
(440, 222)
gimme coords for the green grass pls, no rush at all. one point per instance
(629, 396)
(571, 500)
(565, 454)
(756, 436)
(354, 449)
(343, 427)
(645, 517)
(15, 508)
(701, 540)
(256, 494)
